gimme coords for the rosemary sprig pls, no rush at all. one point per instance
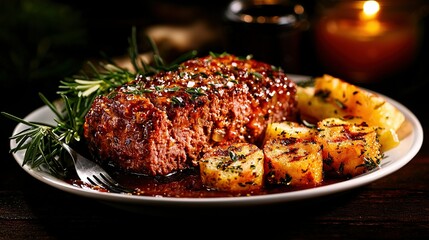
(40, 140)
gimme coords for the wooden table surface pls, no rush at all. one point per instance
(393, 207)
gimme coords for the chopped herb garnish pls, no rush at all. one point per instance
(232, 155)
(195, 92)
(177, 101)
(257, 75)
(323, 94)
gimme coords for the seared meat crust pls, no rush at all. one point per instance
(160, 124)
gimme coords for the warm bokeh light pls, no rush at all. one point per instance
(370, 25)
(370, 9)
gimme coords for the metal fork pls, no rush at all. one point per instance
(91, 173)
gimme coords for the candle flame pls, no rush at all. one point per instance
(370, 9)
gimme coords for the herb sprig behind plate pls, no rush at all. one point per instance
(76, 94)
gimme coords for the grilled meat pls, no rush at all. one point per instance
(160, 124)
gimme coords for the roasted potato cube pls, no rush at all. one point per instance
(314, 107)
(238, 167)
(356, 101)
(387, 137)
(348, 149)
(288, 129)
(293, 161)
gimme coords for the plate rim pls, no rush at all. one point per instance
(416, 138)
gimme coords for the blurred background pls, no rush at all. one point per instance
(382, 46)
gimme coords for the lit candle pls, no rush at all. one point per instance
(356, 42)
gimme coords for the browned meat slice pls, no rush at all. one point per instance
(163, 123)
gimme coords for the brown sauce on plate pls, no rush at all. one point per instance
(188, 184)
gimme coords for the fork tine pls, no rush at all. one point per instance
(109, 179)
(98, 182)
(91, 173)
(111, 186)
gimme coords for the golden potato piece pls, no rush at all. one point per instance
(293, 161)
(238, 167)
(348, 149)
(315, 108)
(288, 129)
(356, 101)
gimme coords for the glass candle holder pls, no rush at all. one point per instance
(366, 41)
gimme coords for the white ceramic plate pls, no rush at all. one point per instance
(396, 158)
